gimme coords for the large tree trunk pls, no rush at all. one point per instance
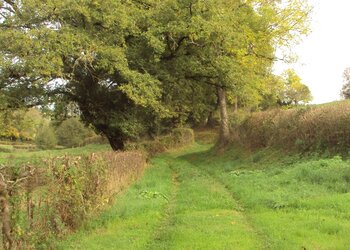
(224, 136)
(116, 142)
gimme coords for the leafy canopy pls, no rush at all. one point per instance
(128, 64)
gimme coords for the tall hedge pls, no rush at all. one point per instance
(314, 128)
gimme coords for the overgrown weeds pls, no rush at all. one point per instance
(59, 194)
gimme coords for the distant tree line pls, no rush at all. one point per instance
(32, 126)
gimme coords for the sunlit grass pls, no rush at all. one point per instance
(296, 202)
(199, 199)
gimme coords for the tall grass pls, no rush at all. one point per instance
(63, 191)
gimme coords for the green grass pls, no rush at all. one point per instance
(197, 199)
(24, 156)
(6, 148)
(175, 206)
(130, 223)
(295, 202)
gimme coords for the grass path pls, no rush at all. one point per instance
(175, 206)
(197, 199)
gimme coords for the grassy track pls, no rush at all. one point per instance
(198, 200)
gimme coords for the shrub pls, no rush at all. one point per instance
(206, 136)
(71, 133)
(180, 137)
(46, 138)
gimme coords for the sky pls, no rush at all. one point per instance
(325, 53)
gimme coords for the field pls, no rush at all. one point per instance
(197, 199)
(22, 156)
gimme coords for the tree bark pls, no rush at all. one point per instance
(116, 142)
(224, 136)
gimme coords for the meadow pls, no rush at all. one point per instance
(19, 156)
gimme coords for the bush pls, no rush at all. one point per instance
(207, 136)
(71, 133)
(180, 137)
(46, 138)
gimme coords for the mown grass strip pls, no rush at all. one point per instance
(205, 215)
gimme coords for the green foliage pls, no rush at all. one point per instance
(46, 138)
(206, 136)
(128, 64)
(72, 133)
(95, 139)
(21, 124)
(293, 90)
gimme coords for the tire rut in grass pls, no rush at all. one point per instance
(203, 215)
(168, 221)
(237, 207)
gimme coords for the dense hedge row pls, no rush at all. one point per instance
(313, 128)
(55, 198)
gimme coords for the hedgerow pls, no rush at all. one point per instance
(50, 199)
(305, 129)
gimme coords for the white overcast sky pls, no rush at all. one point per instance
(325, 53)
